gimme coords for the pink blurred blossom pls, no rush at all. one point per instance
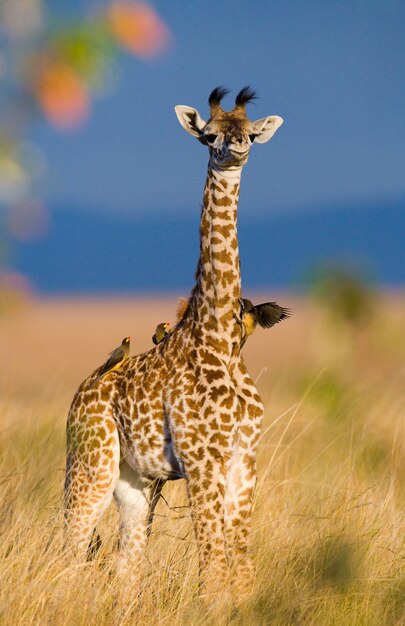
(138, 28)
(62, 95)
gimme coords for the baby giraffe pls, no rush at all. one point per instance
(187, 408)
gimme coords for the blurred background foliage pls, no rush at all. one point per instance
(354, 316)
(346, 295)
(52, 70)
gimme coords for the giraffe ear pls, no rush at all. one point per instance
(190, 119)
(266, 127)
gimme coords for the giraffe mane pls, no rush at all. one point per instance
(182, 307)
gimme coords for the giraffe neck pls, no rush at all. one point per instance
(217, 292)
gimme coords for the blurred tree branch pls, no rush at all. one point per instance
(51, 69)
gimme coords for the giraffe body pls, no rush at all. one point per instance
(187, 408)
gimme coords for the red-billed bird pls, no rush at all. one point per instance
(160, 332)
(115, 358)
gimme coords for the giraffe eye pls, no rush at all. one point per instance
(252, 137)
(211, 138)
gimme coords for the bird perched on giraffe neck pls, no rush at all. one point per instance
(266, 315)
(114, 360)
(160, 332)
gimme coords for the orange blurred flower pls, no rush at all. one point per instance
(62, 95)
(138, 28)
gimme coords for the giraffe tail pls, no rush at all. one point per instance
(94, 546)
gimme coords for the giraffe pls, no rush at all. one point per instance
(187, 408)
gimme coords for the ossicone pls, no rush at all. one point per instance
(215, 98)
(247, 94)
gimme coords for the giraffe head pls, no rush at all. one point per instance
(229, 135)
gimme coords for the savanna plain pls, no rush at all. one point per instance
(329, 517)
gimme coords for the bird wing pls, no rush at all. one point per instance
(114, 358)
(270, 313)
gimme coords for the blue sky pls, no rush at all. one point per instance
(333, 69)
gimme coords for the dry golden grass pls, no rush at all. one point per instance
(329, 520)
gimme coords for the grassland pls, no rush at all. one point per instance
(329, 515)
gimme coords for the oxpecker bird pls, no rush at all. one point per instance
(160, 332)
(115, 358)
(266, 315)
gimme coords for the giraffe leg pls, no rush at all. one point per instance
(205, 447)
(136, 498)
(240, 485)
(206, 488)
(91, 473)
(241, 480)
(85, 503)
